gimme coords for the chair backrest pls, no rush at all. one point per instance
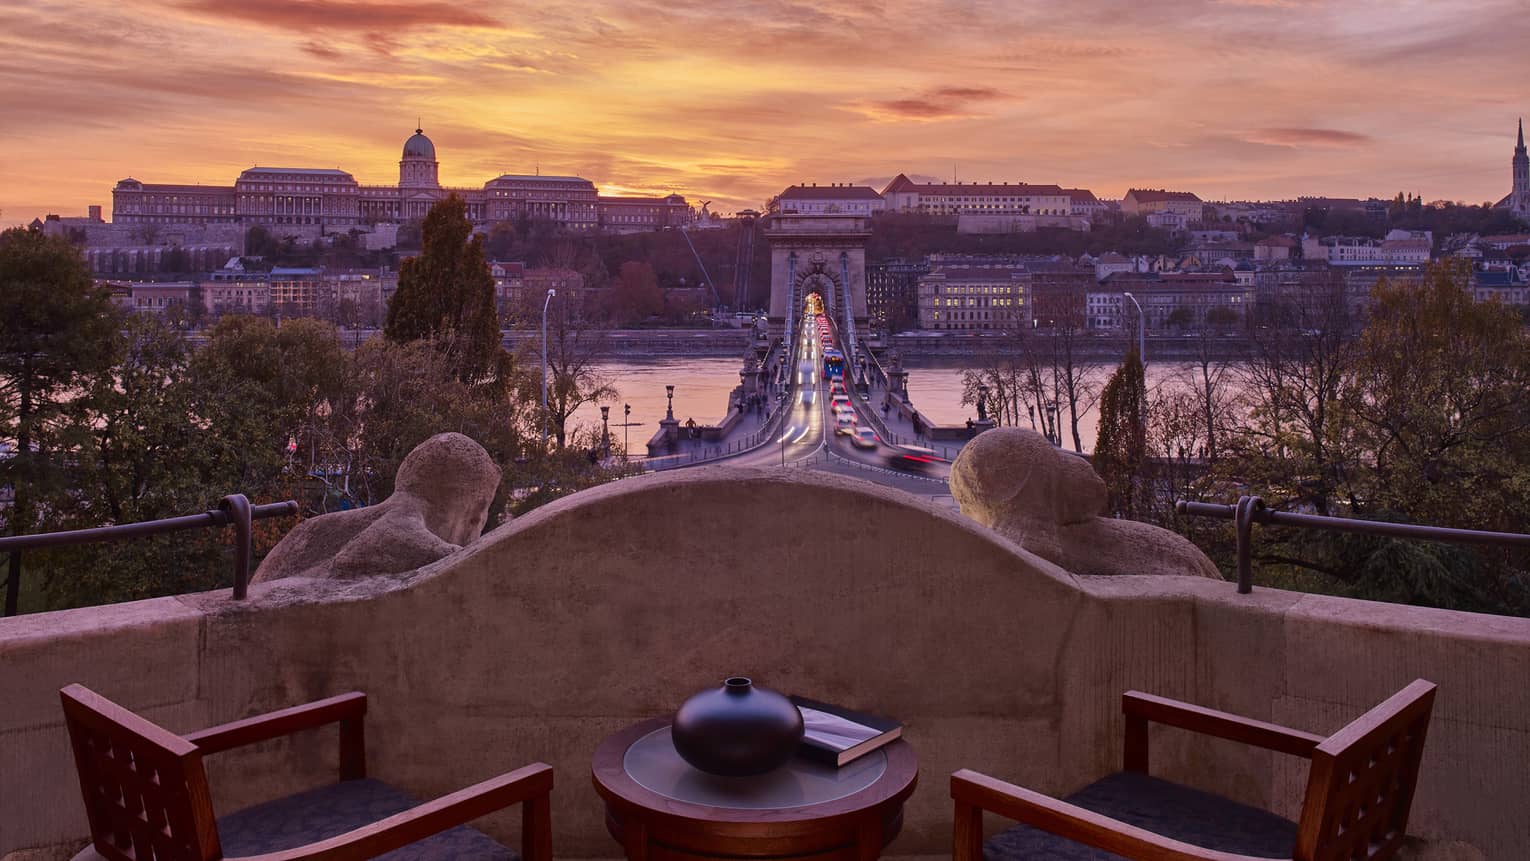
(1361, 785)
(144, 787)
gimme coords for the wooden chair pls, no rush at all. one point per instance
(1359, 792)
(147, 799)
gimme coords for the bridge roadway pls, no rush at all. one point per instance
(807, 439)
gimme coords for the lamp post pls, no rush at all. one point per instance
(626, 423)
(1141, 330)
(1142, 357)
(605, 430)
(1053, 432)
(669, 392)
(982, 402)
(545, 302)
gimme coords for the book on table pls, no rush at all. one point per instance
(835, 736)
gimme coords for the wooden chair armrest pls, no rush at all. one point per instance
(983, 793)
(531, 785)
(1140, 708)
(345, 707)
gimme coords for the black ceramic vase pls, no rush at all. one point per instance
(737, 730)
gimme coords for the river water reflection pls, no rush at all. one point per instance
(936, 390)
(702, 386)
(701, 393)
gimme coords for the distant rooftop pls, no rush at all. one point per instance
(830, 192)
(1155, 195)
(539, 178)
(305, 171)
(902, 183)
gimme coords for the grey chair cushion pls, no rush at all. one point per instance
(1185, 814)
(317, 814)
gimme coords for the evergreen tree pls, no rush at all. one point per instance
(55, 325)
(447, 294)
(1120, 448)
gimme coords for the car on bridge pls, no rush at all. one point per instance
(864, 438)
(912, 458)
(844, 423)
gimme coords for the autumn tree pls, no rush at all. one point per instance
(55, 326)
(1439, 395)
(264, 389)
(396, 397)
(636, 294)
(446, 294)
(138, 457)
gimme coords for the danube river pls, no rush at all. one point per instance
(702, 386)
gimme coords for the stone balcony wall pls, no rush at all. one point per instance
(606, 607)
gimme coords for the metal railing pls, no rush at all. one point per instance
(1250, 510)
(234, 510)
(701, 452)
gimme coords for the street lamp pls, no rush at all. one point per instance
(626, 423)
(605, 430)
(1054, 433)
(669, 412)
(1141, 330)
(545, 302)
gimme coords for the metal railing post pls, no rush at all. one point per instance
(13, 583)
(1243, 522)
(237, 507)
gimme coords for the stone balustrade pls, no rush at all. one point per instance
(543, 636)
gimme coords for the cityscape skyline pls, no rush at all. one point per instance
(1242, 99)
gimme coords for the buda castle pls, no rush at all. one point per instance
(318, 200)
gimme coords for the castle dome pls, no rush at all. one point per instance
(419, 146)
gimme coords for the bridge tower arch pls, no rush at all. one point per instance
(822, 253)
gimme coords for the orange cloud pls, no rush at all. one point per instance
(940, 103)
(354, 15)
(1299, 137)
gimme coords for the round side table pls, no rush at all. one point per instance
(658, 807)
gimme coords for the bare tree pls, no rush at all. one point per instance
(1075, 378)
(1211, 380)
(575, 343)
(1296, 377)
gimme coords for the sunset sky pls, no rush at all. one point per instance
(731, 100)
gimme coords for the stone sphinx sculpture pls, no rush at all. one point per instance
(440, 502)
(1050, 502)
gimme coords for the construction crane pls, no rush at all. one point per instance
(685, 231)
(743, 260)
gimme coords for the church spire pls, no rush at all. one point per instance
(1521, 145)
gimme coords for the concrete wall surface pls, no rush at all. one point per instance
(605, 608)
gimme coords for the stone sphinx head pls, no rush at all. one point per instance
(1015, 482)
(452, 480)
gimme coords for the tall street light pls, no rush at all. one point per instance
(1142, 357)
(1141, 330)
(545, 302)
(626, 423)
